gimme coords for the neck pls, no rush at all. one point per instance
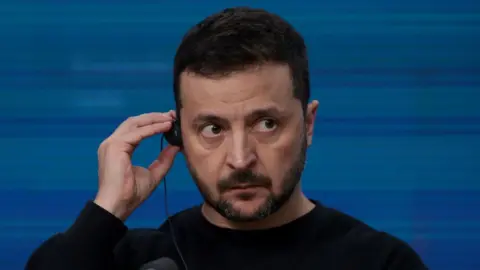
(297, 206)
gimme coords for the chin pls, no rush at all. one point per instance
(249, 206)
(246, 210)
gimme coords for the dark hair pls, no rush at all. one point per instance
(238, 38)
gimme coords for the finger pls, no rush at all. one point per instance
(134, 137)
(173, 114)
(142, 120)
(159, 168)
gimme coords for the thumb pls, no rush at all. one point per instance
(162, 164)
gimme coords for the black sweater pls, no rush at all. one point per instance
(322, 239)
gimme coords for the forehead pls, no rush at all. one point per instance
(238, 93)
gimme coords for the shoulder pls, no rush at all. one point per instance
(141, 245)
(177, 220)
(184, 217)
(364, 242)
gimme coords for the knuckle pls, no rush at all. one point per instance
(104, 145)
(108, 143)
(130, 119)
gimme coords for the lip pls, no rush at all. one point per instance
(244, 188)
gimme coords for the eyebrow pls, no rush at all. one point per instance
(253, 115)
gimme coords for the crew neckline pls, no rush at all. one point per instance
(292, 230)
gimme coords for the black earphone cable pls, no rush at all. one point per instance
(170, 223)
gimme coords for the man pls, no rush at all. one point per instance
(241, 85)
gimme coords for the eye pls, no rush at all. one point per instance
(266, 125)
(211, 131)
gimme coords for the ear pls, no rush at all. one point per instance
(310, 117)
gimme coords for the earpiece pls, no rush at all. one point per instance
(174, 135)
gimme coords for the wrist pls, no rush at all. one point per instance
(113, 207)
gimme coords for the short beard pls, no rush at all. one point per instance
(247, 177)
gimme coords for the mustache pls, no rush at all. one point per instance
(243, 178)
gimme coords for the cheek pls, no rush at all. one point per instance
(207, 164)
(277, 160)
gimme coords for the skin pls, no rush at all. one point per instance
(122, 186)
(247, 164)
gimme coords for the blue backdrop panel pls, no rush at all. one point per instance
(396, 141)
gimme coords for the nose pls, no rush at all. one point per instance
(240, 153)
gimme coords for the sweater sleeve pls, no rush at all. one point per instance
(88, 244)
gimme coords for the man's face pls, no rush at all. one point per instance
(245, 139)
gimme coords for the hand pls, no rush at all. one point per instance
(122, 186)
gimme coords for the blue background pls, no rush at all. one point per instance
(397, 139)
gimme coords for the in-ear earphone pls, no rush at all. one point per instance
(174, 135)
